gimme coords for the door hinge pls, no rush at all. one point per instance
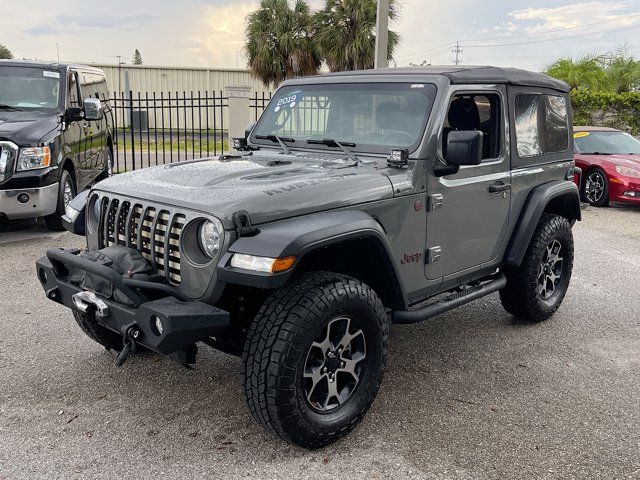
(435, 201)
(434, 254)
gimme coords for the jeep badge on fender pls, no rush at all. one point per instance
(299, 253)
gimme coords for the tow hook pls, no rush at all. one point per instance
(132, 333)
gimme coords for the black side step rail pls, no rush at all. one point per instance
(450, 302)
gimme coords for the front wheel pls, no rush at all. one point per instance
(313, 358)
(596, 188)
(66, 192)
(537, 287)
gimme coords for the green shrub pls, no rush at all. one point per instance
(607, 109)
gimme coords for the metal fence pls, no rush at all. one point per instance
(154, 129)
(258, 103)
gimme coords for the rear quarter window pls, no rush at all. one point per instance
(541, 124)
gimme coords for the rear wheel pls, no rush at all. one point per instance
(66, 192)
(313, 358)
(537, 287)
(596, 188)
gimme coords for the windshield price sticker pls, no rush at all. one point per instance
(290, 101)
(46, 73)
(580, 134)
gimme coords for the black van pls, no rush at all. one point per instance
(56, 137)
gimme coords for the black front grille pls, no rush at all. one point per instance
(154, 232)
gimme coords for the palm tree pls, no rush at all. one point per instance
(586, 72)
(280, 42)
(345, 33)
(623, 74)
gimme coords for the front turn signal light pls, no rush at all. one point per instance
(262, 264)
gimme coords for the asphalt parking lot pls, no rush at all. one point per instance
(471, 394)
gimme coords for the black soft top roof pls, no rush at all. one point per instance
(473, 75)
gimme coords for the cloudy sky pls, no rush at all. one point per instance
(519, 33)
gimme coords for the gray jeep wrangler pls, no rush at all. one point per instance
(358, 200)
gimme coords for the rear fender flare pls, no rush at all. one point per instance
(560, 197)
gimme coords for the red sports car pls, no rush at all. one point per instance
(610, 163)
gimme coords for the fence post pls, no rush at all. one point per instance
(239, 110)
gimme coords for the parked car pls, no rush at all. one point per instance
(56, 137)
(355, 198)
(610, 163)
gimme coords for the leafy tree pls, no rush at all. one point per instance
(280, 43)
(345, 33)
(5, 53)
(137, 57)
(586, 72)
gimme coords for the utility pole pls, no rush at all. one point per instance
(457, 50)
(382, 35)
(58, 50)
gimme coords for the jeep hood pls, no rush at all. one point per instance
(268, 187)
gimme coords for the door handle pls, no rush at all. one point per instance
(499, 187)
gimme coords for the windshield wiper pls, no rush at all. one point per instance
(8, 107)
(330, 142)
(280, 140)
(597, 153)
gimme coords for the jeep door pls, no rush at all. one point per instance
(468, 217)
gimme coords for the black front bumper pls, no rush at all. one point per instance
(184, 322)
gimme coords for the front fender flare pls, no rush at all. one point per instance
(300, 236)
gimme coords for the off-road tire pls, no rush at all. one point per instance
(521, 297)
(54, 221)
(276, 350)
(105, 337)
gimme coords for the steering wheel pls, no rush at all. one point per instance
(389, 136)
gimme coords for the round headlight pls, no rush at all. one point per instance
(210, 237)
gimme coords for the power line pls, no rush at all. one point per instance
(513, 44)
(445, 46)
(431, 51)
(546, 32)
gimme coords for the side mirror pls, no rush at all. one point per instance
(74, 114)
(74, 216)
(92, 109)
(464, 147)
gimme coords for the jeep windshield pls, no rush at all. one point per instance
(29, 88)
(375, 117)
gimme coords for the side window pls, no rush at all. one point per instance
(73, 93)
(480, 112)
(542, 124)
(89, 85)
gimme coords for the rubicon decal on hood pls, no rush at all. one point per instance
(302, 184)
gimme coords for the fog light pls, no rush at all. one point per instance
(157, 325)
(631, 193)
(23, 198)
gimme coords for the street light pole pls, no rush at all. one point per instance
(382, 34)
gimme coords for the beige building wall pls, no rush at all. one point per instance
(147, 79)
(150, 78)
